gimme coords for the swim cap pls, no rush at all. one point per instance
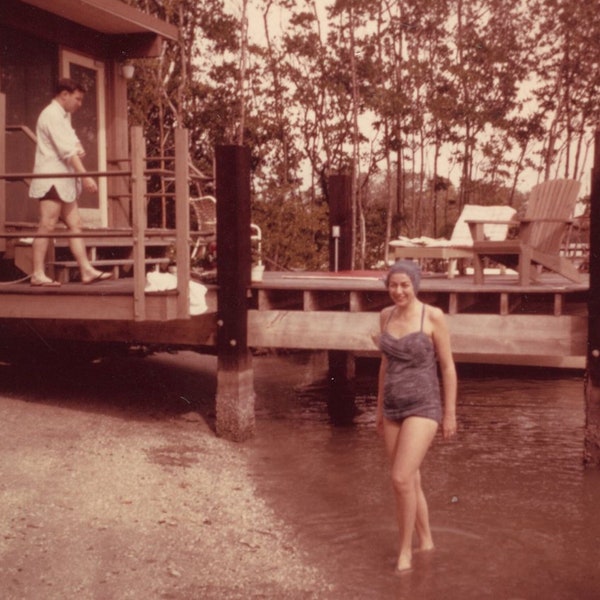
(409, 268)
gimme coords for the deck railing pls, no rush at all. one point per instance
(140, 232)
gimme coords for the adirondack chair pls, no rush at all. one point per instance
(494, 220)
(539, 238)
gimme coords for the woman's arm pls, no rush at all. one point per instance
(441, 340)
(381, 377)
(379, 413)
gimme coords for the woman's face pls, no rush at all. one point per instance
(401, 289)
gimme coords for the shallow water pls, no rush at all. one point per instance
(514, 514)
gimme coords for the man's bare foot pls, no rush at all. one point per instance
(43, 281)
(404, 563)
(95, 276)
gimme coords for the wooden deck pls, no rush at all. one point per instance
(498, 322)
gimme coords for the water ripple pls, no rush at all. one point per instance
(513, 512)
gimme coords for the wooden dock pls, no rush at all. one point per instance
(499, 322)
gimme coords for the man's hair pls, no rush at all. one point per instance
(68, 85)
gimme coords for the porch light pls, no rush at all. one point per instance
(127, 70)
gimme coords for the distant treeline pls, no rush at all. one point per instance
(426, 104)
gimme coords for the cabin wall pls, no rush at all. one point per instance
(28, 71)
(29, 68)
(32, 40)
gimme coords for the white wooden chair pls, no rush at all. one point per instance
(494, 219)
(203, 220)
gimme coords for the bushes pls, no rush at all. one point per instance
(294, 231)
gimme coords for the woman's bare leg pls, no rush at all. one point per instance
(422, 525)
(407, 444)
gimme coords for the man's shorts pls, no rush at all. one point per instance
(51, 194)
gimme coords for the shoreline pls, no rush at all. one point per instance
(105, 503)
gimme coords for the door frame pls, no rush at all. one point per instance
(93, 217)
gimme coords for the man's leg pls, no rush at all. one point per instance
(50, 210)
(72, 218)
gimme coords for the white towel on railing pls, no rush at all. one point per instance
(160, 282)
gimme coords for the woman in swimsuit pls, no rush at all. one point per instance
(409, 406)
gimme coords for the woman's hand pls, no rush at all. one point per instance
(379, 421)
(449, 426)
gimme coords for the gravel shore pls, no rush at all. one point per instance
(101, 502)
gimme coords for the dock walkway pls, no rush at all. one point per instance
(497, 322)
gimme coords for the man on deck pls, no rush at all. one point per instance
(59, 150)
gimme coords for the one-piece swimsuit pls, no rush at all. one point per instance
(411, 385)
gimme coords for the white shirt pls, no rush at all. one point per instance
(57, 142)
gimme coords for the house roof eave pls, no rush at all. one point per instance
(109, 17)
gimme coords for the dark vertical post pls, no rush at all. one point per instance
(182, 222)
(2, 168)
(592, 399)
(235, 377)
(341, 368)
(139, 220)
(339, 192)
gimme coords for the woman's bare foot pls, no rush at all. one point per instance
(425, 547)
(404, 563)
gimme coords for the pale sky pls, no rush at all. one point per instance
(278, 22)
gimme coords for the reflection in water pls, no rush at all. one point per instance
(514, 514)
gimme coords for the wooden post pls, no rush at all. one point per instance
(139, 221)
(341, 397)
(592, 392)
(182, 223)
(2, 168)
(339, 192)
(119, 208)
(235, 376)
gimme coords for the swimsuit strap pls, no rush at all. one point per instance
(392, 312)
(388, 319)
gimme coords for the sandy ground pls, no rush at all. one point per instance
(106, 495)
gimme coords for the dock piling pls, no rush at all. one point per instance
(592, 390)
(339, 196)
(341, 369)
(235, 375)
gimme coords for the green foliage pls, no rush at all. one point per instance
(375, 242)
(194, 84)
(470, 93)
(295, 232)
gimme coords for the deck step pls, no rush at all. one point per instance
(63, 268)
